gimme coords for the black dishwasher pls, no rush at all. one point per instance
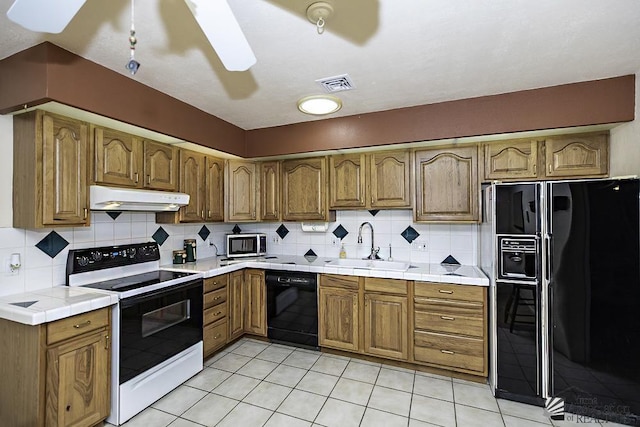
(292, 307)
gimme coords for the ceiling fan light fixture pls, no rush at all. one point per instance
(319, 105)
(318, 13)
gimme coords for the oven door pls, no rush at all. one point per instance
(158, 325)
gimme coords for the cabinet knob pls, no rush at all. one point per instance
(216, 337)
(68, 408)
(216, 298)
(217, 314)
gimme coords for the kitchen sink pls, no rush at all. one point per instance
(369, 264)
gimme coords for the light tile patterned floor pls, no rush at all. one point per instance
(255, 384)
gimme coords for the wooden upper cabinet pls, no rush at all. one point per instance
(582, 155)
(241, 192)
(390, 184)
(192, 168)
(304, 194)
(447, 187)
(347, 181)
(376, 180)
(117, 158)
(511, 160)
(270, 191)
(50, 171)
(160, 166)
(214, 189)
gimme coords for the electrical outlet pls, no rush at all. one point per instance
(419, 245)
(334, 242)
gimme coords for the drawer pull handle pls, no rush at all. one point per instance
(217, 314)
(82, 325)
(442, 291)
(216, 337)
(447, 352)
(447, 318)
(217, 298)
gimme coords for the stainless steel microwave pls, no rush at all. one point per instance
(246, 245)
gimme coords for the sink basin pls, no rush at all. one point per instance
(369, 264)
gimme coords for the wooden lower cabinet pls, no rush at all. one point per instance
(385, 326)
(56, 374)
(255, 303)
(214, 334)
(339, 312)
(235, 303)
(450, 327)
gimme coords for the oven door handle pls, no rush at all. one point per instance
(128, 302)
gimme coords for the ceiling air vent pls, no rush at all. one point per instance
(336, 83)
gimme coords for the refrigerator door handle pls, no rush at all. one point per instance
(547, 256)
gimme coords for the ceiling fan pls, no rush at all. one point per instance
(215, 18)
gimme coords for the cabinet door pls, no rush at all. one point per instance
(117, 158)
(235, 302)
(304, 190)
(386, 326)
(582, 155)
(511, 160)
(270, 191)
(214, 189)
(347, 181)
(390, 179)
(64, 154)
(77, 385)
(255, 319)
(241, 191)
(338, 313)
(192, 183)
(447, 185)
(160, 166)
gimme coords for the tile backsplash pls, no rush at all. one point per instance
(43, 253)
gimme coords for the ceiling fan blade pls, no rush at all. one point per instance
(218, 23)
(44, 16)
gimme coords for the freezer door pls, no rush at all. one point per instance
(517, 209)
(594, 291)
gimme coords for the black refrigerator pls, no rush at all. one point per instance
(566, 295)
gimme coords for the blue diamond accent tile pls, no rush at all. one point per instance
(236, 229)
(282, 231)
(450, 260)
(160, 236)
(24, 304)
(410, 234)
(340, 232)
(374, 212)
(114, 214)
(310, 253)
(52, 244)
(204, 232)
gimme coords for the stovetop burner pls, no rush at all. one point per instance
(127, 283)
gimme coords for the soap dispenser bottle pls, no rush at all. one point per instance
(343, 253)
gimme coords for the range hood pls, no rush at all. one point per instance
(127, 199)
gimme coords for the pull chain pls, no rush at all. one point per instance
(320, 25)
(132, 65)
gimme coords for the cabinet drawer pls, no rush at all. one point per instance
(449, 350)
(214, 313)
(214, 336)
(454, 308)
(388, 286)
(214, 283)
(77, 325)
(343, 282)
(455, 324)
(215, 297)
(449, 291)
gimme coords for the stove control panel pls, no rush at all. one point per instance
(89, 259)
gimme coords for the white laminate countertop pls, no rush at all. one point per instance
(47, 305)
(457, 274)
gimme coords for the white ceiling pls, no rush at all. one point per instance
(398, 53)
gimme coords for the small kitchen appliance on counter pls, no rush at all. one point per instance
(157, 324)
(243, 245)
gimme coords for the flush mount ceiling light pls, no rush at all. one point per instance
(319, 105)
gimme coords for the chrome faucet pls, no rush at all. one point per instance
(374, 250)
